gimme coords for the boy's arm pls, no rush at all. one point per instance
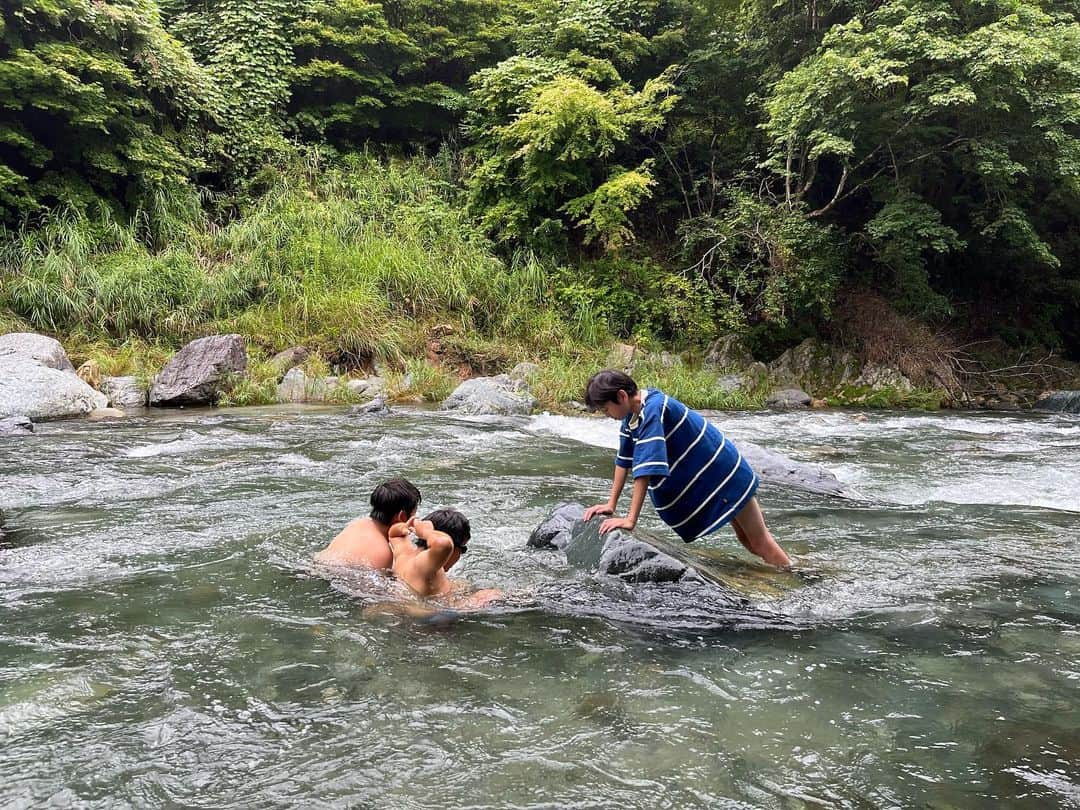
(637, 500)
(439, 548)
(617, 484)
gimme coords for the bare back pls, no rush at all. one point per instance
(422, 568)
(363, 542)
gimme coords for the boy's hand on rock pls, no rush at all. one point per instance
(599, 509)
(617, 523)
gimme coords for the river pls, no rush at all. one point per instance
(165, 641)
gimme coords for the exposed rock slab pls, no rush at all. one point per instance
(1059, 402)
(45, 350)
(37, 391)
(776, 468)
(500, 395)
(198, 372)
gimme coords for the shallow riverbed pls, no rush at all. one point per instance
(165, 642)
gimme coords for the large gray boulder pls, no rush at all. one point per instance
(123, 392)
(16, 426)
(500, 395)
(45, 350)
(37, 391)
(617, 553)
(788, 398)
(198, 372)
(1059, 402)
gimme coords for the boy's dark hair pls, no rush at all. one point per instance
(453, 523)
(604, 386)
(391, 497)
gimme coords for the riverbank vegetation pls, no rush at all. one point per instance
(478, 182)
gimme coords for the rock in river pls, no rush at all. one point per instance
(198, 372)
(491, 395)
(1059, 402)
(37, 391)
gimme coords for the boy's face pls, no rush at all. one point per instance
(619, 409)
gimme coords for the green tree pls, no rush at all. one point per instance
(936, 130)
(97, 102)
(391, 72)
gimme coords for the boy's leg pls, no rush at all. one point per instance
(752, 532)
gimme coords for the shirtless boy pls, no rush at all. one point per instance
(366, 541)
(424, 550)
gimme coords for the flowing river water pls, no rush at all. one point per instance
(165, 641)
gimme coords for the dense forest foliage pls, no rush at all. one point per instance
(663, 170)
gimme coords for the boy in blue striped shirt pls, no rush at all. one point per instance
(697, 479)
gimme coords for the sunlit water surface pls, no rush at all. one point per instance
(164, 640)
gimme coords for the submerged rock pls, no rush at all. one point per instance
(45, 350)
(377, 407)
(499, 395)
(16, 426)
(630, 556)
(776, 468)
(1059, 402)
(37, 391)
(198, 372)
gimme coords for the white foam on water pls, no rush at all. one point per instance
(991, 459)
(594, 431)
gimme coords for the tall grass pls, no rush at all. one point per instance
(350, 261)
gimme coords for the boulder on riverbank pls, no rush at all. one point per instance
(285, 361)
(1059, 402)
(499, 395)
(198, 373)
(789, 398)
(296, 386)
(123, 392)
(29, 345)
(31, 389)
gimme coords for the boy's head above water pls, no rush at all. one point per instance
(451, 522)
(611, 391)
(394, 501)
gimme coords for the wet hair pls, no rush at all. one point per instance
(453, 523)
(391, 497)
(604, 386)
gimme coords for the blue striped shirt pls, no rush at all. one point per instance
(699, 479)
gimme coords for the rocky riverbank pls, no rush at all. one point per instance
(39, 382)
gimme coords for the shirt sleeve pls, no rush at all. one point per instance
(650, 449)
(625, 455)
